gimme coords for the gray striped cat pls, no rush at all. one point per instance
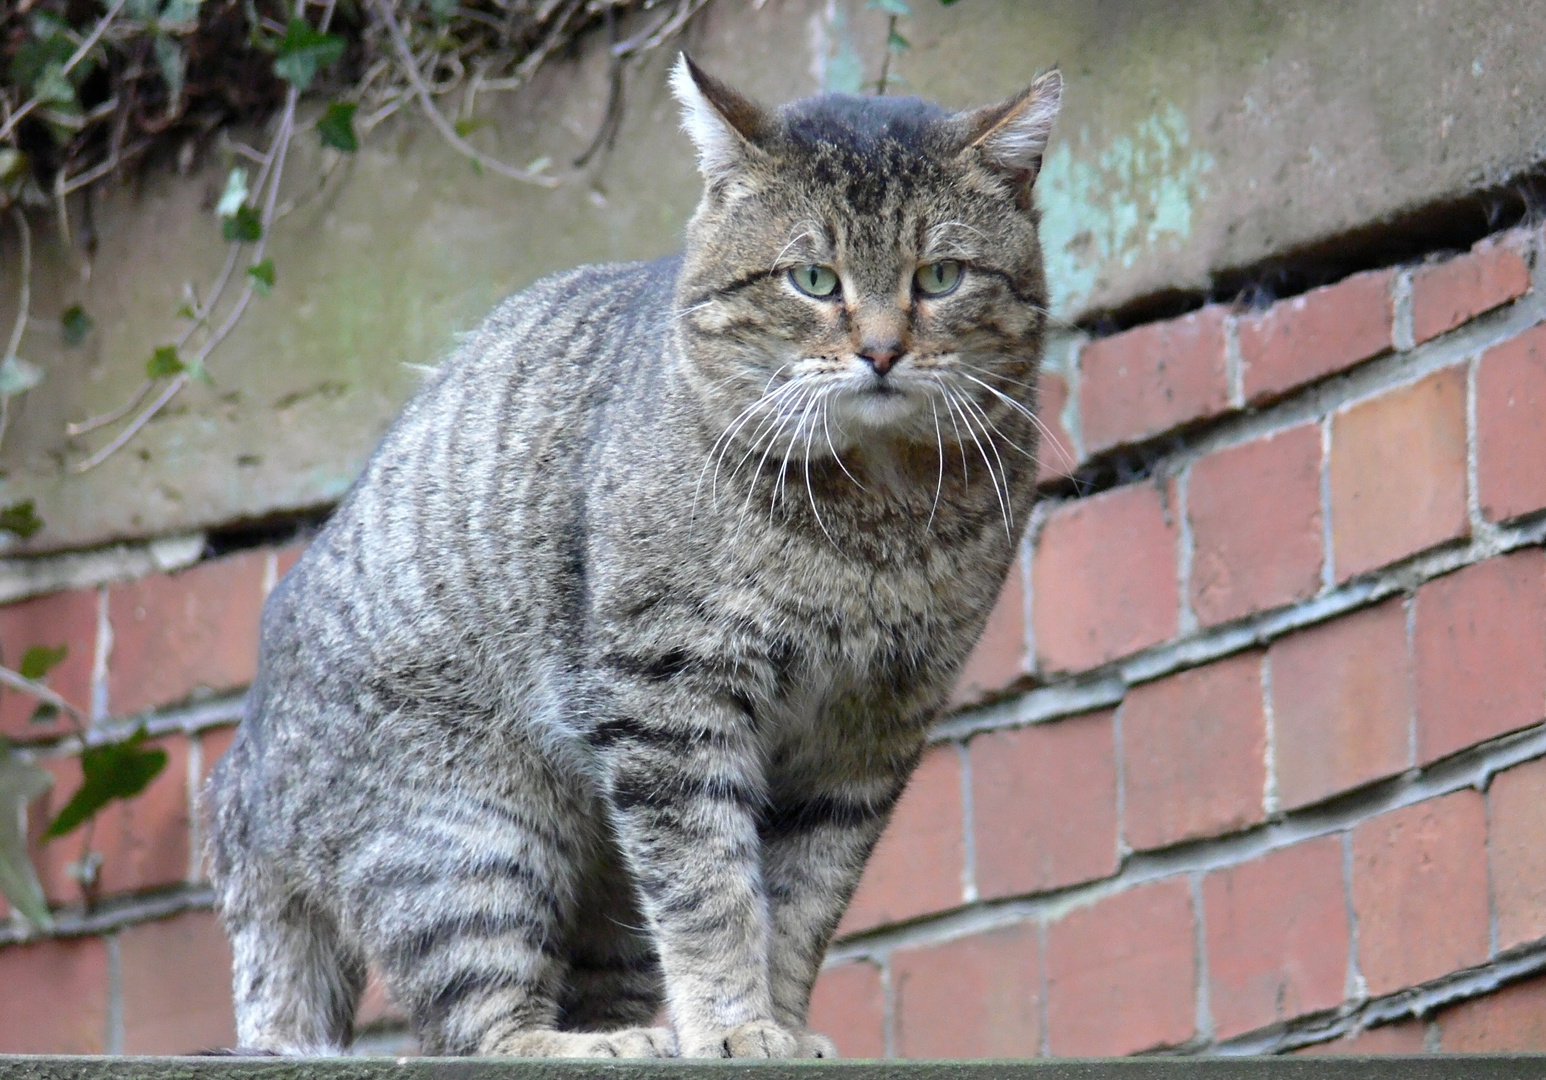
(596, 691)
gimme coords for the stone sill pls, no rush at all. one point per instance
(1386, 1067)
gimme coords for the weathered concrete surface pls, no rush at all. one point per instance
(1198, 136)
(1390, 1067)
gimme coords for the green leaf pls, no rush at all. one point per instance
(39, 660)
(13, 164)
(180, 11)
(114, 771)
(947, 3)
(262, 276)
(45, 712)
(173, 64)
(17, 376)
(21, 519)
(468, 124)
(890, 7)
(52, 86)
(75, 324)
(337, 127)
(20, 783)
(200, 373)
(33, 58)
(897, 43)
(164, 361)
(234, 195)
(242, 227)
(302, 51)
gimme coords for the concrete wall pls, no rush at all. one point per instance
(1199, 138)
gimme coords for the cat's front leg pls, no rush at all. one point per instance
(684, 786)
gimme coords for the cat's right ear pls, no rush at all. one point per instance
(727, 127)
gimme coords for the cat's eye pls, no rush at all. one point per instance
(814, 280)
(938, 278)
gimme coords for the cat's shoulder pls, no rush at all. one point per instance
(586, 290)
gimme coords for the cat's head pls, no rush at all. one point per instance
(863, 270)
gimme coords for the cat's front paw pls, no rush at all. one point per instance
(757, 1039)
(626, 1043)
(812, 1044)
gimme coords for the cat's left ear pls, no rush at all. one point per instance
(1012, 135)
(727, 127)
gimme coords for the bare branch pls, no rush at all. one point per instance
(17, 681)
(444, 126)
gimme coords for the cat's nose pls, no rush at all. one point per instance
(880, 357)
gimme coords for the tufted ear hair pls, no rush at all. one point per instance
(727, 127)
(1012, 135)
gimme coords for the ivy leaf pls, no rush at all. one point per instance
(468, 124)
(52, 87)
(897, 43)
(234, 195)
(302, 51)
(173, 64)
(39, 660)
(21, 519)
(891, 7)
(20, 783)
(75, 324)
(337, 127)
(180, 11)
(197, 371)
(17, 376)
(13, 165)
(45, 712)
(242, 227)
(164, 361)
(115, 771)
(262, 276)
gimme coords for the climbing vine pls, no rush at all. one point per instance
(93, 90)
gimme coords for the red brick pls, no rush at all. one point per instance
(1420, 891)
(1055, 457)
(1121, 973)
(1255, 512)
(1341, 704)
(1402, 1037)
(1277, 936)
(1447, 294)
(177, 634)
(848, 1005)
(1044, 805)
(55, 997)
(1104, 578)
(1510, 438)
(1194, 754)
(975, 996)
(288, 556)
(919, 864)
(213, 743)
(1517, 843)
(999, 659)
(1398, 473)
(68, 619)
(1153, 378)
(1480, 647)
(1319, 333)
(176, 986)
(1511, 1020)
(144, 841)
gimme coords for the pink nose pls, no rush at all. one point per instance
(880, 357)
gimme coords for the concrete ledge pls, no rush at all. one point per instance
(1420, 1067)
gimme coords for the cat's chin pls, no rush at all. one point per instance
(881, 408)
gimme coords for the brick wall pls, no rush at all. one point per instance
(1256, 759)
(1251, 756)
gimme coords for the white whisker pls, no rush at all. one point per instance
(939, 483)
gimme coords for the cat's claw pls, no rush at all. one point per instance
(761, 1039)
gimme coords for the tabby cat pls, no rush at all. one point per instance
(596, 691)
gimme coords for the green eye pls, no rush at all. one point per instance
(814, 280)
(936, 279)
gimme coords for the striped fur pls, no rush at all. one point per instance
(597, 690)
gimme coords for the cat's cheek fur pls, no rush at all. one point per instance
(598, 688)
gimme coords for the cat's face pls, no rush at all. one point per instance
(863, 271)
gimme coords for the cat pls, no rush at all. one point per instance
(599, 686)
